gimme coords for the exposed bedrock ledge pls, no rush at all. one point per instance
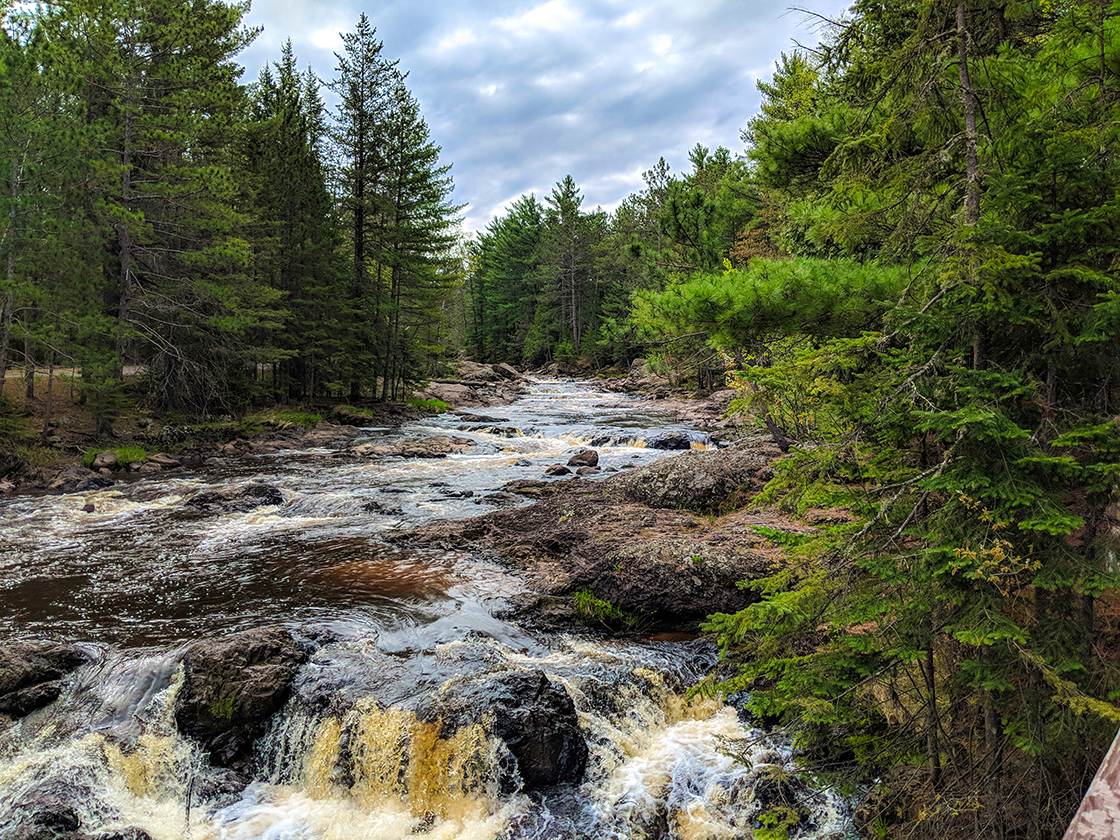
(634, 539)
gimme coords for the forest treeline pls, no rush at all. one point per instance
(925, 304)
(159, 212)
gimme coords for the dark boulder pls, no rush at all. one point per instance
(533, 716)
(584, 458)
(532, 487)
(232, 686)
(557, 469)
(31, 674)
(71, 479)
(238, 498)
(670, 441)
(96, 482)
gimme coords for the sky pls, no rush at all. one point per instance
(520, 94)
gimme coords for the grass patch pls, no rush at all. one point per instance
(591, 609)
(125, 454)
(430, 406)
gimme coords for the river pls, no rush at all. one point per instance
(133, 576)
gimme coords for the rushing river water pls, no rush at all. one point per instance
(139, 576)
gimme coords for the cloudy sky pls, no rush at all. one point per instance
(520, 93)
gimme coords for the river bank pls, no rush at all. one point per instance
(303, 643)
(52, 453)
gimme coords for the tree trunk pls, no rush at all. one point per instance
(29, 358)
(9, 294)
(993, 754)
(970, 105)
(933, 747)
(124, 236)
(47, 408)
(6, 326)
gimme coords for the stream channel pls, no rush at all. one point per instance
(138, 578)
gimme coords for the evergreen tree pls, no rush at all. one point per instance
(297, 250)
(959, 404)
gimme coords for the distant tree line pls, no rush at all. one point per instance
(232, 239)
(553, 282)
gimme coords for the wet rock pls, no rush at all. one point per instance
(523, 462)
(382, 508)
(533, 716)
(214, 461)
(96, 482)
(499, 498)
(587, 470)
(481, 418)
(107, 459)
(124, 834)
(236, 498)
(508, 372)
(31, 674)
(232, 686)
(670, 441)
(49, 816)
(338, 676)
(326, 434)
(70, 479)
(149, 466)
(557, 469)
(584, 458)
(348, 416)
(439, 446)
(164, 460)
(630, 539)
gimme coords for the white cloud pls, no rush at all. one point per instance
(553, 16)
(462, 37)
(327, 39)
(520, 93)
(661, 44)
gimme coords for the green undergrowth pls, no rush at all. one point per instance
(14, 426)
(430, 406)
(352, 409)
(593, 610)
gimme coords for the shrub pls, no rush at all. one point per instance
(591, 609)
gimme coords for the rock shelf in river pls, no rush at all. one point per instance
(634, 541)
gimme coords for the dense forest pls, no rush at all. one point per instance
(912, 279)
(231, 240)
(911, 276)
